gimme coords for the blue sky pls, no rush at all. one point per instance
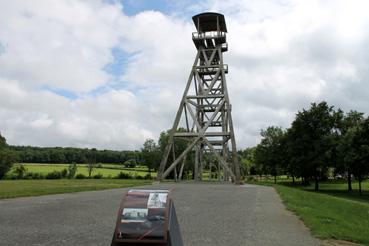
(132, 7)
(117, 67)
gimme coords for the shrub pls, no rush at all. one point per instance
(139, 177)
(251, 178)
(20, 170)
(130, 163)
(99, 165)
(80, 176)
(54, 175)
(33, 176)
(97, 176)
(37, 176)
(123, 175)
(12, 177)
(72, 169)
(148, 176)
(64, 173)
(27, 176)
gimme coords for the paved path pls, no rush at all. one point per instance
(209, 215)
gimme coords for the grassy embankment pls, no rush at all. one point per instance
(330, 213)
(21, 188)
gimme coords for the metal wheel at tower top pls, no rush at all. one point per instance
(205, 109)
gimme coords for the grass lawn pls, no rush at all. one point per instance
(21, 188)
(331, 212)
(107, 170)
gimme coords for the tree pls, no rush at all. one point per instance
(57, 155)
(247, 161)
(72, 169)
(7, 157)
(2, 142)
(90, 167)
(346, 153)
(91, 161)
(268, 152)
(360, 144)
(29, 154)
(288, 161)
(179, 146)
(151, 154)
(312, 138)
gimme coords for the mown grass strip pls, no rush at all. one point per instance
(327, 216)
(22, 188)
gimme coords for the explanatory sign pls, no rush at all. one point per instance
(143, 216)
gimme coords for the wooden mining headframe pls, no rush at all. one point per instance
(205, 109)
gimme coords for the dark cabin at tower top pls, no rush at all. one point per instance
(211, 31)
(210, 22)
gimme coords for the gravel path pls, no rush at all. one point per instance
(208, 214)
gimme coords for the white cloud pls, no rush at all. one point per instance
(63, 44)
(283, 55)
(163, 47)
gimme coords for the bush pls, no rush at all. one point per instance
(80, 176)
(64, 173)
(130, 163)
(20, 170)
(72, 169)
(11, 177)
(123, 175)
(148, 176)
(54, 175)
(97, 176)
(27, 176)
(251, 178)
(34, 176)
(37, 176)
(139, 177)
(99, 165)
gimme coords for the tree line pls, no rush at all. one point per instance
(321, 140)
(29, 154)
(54, 155)
(149, 155)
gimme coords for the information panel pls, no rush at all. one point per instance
(143, 217)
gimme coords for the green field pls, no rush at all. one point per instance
(21, 188)
(330, 213)
(107, 170)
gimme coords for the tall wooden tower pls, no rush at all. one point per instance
(205, 109)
